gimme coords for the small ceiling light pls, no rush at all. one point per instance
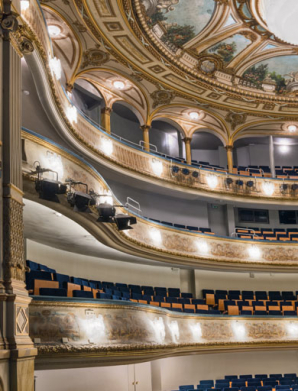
(58, 214)
(24, 5)
(212, 181)
(292, 128)
(157, 167)
(254, 252)
(155, 235)
(72, 114)
(107, 146)
(54, 31)
(119, 85)
(268, 188)
(194, 115)
(284, 148)
(203, 247)
(55, 66)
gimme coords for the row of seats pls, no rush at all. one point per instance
(181, 226)
(260, 382)
(290, 234)
(41, 280)
(235, 302)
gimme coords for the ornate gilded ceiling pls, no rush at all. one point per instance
(213, 56)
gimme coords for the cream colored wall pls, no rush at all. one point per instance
(167, 374)
(190, 370)
(243, 281)
(102, 269)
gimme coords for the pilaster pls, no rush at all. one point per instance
(14, 299)
(187, 142)
(106, 118)
(145, 129)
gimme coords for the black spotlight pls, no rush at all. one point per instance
(124, 221)
(284, 187)
(48, 188)
(239, 182)
(80, 201)
(250, 184)
(229, 181)
(294, 187)
(106, 213)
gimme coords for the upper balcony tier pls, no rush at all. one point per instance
(142, 161)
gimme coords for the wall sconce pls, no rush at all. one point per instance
(254, 252)
(55, 66)
(157, 167)
(155, 235)
(72, 114)
(107, 146)
(203, 247)
(239, 330)
(268, 188)
(212, 181)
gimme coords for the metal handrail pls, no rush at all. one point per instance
(129, 205)
(142, 145)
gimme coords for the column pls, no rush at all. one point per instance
(271, 156)
(106, 118)
(229, 149)
(187, 281)
(187, 142)
(145, 129)
(14, 298)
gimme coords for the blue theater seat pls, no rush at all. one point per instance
(189, 310)
(260, 312)
(198, 302)
(214, 312)
(282, 387)
(261, 376)
(186, 295)
(183, 301)
(261, 295)
(287, 382)
(36, 275)
(76, 280)
(32, 265)
(231, 389)
(176, 309)
(290, 376)
(203, 312)
(93, 285)
(238, 383)
(288, 295)
(246, 312)
(125, 295)
(249, 388)
(121, 285)
(136, 296)
(231, 377)
(108, 284)
(103, 296)
(148, 291)
(274, 313)
(207, 292)
(209, 383)
(160, 291)
(46, 268)
(247, 295)
(274, 295)
(171, 300)
(254, 382)
(265, 388)
(270, 382)
(109, 291)
(117, 294)
(146, 297)
(245, 377)
(191, 387)
(62, 279)
(83, 294)
(174, 292)
(53, 292)
(159, 299)
(290, 313)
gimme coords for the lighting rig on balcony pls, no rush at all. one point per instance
(79, 200)
(107, 212)
(48, 189)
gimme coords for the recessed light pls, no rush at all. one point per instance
(119, 85)
(292, 128)
(54, 31)
(194, 115)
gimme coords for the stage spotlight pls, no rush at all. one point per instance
(106, 213)
(250, 184)
(229, 181)
(294, 187)
(124, 221)
(239, 182)
(80, 201)
(284, 187)
(48, 188)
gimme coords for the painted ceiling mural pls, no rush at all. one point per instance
(281, 70)
(229, 48)
(180, 20)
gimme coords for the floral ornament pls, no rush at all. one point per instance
(236, 119)
(162, 97)
(94, 57)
